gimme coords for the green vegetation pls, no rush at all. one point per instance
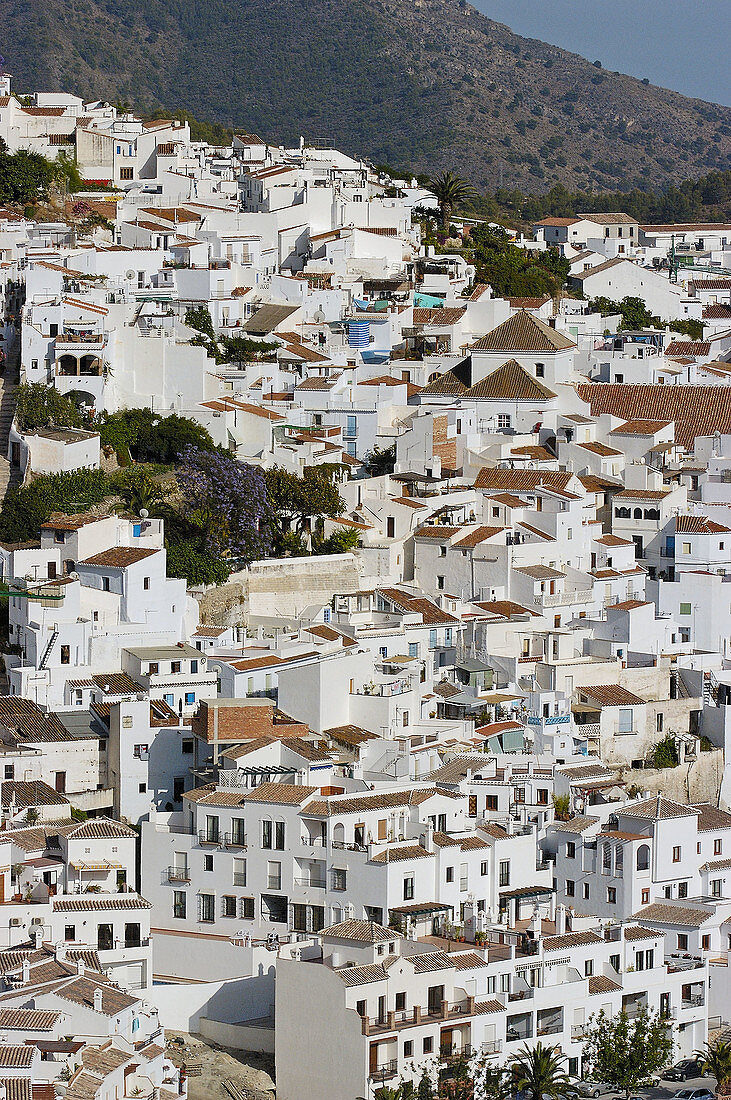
(665, 753)
(151, 437)
(716, 1059)
(537, 1072)
(513, 271)
(625, 1052)
(226, 349)
(297, 506)
(636, 315)
(381, 460)
(450, 191)
(41, 406)
(27, 178)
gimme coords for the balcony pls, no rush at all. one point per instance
(453, 1052)
(234, 840)
(314, 883)
(490, 1047)
(564, 599)
(70, 341)
(695, 1001)
(343, 847)
(579, 1031)
(178, 874)
(382, 1073)
(215, 839)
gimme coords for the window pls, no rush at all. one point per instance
(570, 887)
(586, 891)
(193, 664)
(427, 1044)
(146, 584)
(360, 1008)
(542, 796)
(153, 668)
(65, 654)
(611, 895)
(645, 897)
(491, 802)
(142, 789)
(483, 867)
(686, 547)
(442, 551)
(643, 857)
(504, 873)
(409, 1048)
(682, 942)
(179, 904)
(717, 847)
(413, 649)
(682, 889)
(715, 885)
(676, 854)
(503, 421)
(178, 788)
(440, 583)
(705, 943)
(189, 698)
(685, 609)
(266, 834)
(340, 879)
(187, 746)
(626, 715)
(606, 859)
(69, 933)
(408, 887)
(239, 874)
(400, 1002)
(238, 831)
(540, 370)
(570, 849)
(274, 875)
(279, 835)
(175, 666)
(573, 1067)
(520, 794)
(10, 771)
(105, 584)
(126, 173)
(588, 968)
(351, 426)
(450, 874)
(132, 935)
(207, 863)
(228, 905)
(247, 909)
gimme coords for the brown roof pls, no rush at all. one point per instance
(20, 793)
(96, 902)
(480, 534)
(81, 991)
(613, 540)
(577, 825)
(118, 557)
(447, 384)
(365, 931)
(349, 735)
(664, 913)
(16, 1057)
(283, 794)
(659, 807)
(699, 525)
(570, 939)
(529, 303)
(611, 695)
(506, 609)
(637, 932)
(27, 1019)
(492, 477)
(438, 315)
(600, 449)
(697, 349)
(711, 818)
(524, 332)
(362, 975)
(696, 410)
(510, 382)
(378, 800)
(397, 855)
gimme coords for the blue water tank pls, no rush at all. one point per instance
(358, 334)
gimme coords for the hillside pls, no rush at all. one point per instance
(426, 83)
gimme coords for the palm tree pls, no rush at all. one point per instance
(539, 1072)
(716, 1059)
(449, 190)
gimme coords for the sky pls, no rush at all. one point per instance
(679, 44)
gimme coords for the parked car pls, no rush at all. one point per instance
(694, 1094)
(594, 1088)
(687, 1067)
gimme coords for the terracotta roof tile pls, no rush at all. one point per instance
(510, 382)
(696, 410)
(523, 332)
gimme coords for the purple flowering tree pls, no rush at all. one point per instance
(226, 501)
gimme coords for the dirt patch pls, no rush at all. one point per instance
(248, 1075)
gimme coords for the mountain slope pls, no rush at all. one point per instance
(427, 84)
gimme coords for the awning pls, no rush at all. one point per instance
(526, 892)
(421, 909)
(104, 866)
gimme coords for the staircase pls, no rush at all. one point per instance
(47, 650)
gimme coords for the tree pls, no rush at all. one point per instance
(538, 1072)
(381, 460)
(625, 1052)
(139, 490)
(716, 1059)
(449, 190)
(25, 177)
(226, 502)
(295, 503)
(150, 437)
(496, 1083)
(561, 806)
(40, 406)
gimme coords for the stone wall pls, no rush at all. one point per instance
(697, 781)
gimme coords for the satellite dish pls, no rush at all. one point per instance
(144, 513)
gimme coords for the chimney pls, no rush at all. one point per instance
(560, 920)
(97, 1000)
(80, 967)
(60, 952)
(26, 971)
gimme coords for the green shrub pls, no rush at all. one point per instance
(41, 406)
(665, 754)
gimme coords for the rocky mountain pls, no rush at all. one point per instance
(424, 84)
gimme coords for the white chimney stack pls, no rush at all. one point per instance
(560, 920)
(97, 1000)
(80, 967)
(26, 971)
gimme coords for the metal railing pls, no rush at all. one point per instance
(178, 874)
(343, 847)
(388, 1069)
(317, 883)
(210, 838)
(455, 1051)
(491, 1046)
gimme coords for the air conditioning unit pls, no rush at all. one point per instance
(37, 920)
(15, 922)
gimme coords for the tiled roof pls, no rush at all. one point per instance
(16, 1057)
(698, 349)
(600, 449)
(438, 315)
(474, 538)
(19, 793)
(640, 427)
(362, 975)
(467, 961)
(117, 683)
(98, 828)
(398, 855)
(506, 609)
(529, 303)
(611, 695)
(699, 525)
(570, 939)
(592, 483)
(663, 913)
(349, 735)
(523, 332)
(637, 932)
(447, 384)
(119, 557)
(519, 481)
(97, 902)
(430, 961)
(81, 991)
(576, 825)
(613, 540)
(103, 1060)
(510, 382)
(27, 1019)
(365, 931)
(17, 1088)
(25, 721)
(659, 807)
(696, 410)
(711, 817)
(378, 800)
(283, 794)
(599, 983)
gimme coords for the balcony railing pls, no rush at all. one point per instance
(178, 874)
(491, 1046)
(343, 847)
(317, 883)
(235, 840)
(563, 599)
(554, 1027)
(694, 1002)
(388, 1069)
(450, 1052)
(210, 838)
